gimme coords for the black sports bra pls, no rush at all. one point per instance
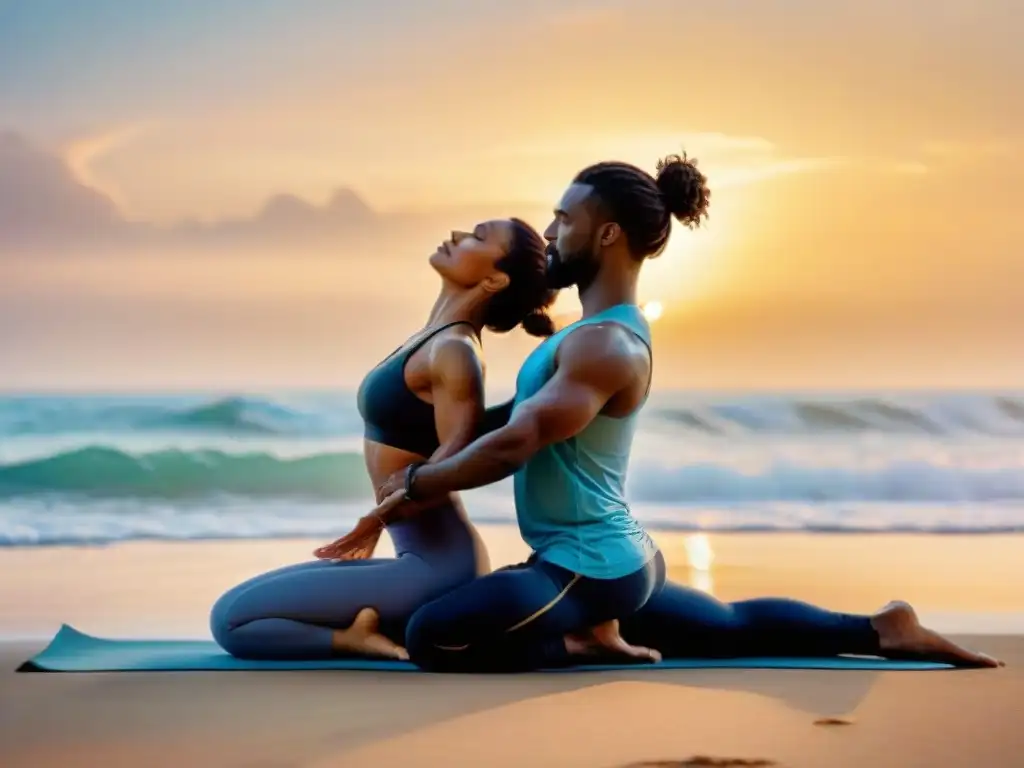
(394, 416)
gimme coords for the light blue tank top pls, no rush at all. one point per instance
(570, 497)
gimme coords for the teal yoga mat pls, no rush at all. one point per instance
(74, 651)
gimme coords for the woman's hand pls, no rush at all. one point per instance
(358, 544)
(361, 541)
(394, 482)
(390, 502)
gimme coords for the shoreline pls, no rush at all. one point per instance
(958, 583)
(663, 531)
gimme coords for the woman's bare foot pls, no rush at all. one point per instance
(604, 641)
(901, 636)
(364, 638)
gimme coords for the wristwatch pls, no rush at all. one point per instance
(410, 477)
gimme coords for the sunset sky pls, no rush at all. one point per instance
(243, 193)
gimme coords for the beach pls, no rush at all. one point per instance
(128, 516)
(967, 585)
(738, 277)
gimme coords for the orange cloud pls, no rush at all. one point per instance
(81, 156)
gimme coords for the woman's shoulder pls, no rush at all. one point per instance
(456, 351)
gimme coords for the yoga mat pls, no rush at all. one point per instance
(74, 651)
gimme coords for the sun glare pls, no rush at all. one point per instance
(653, 310)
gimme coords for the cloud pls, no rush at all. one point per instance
(741, 176)
(43, 200)
(728, 160)
(82, 155)
(73, 204)
(967, 150)
(952, 157)
(908, 168)
(40, 198)
(283, 217)
(718, 146)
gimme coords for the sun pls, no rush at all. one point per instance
(653, 310)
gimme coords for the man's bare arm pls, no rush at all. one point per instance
(595, 363)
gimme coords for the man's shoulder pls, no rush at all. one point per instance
(606, 339)
(603, 350)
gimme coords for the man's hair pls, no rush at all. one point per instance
(644, 205)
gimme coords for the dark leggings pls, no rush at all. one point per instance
(515, 619)
(292, 612)
(682, 622)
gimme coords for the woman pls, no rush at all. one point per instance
(423, 402)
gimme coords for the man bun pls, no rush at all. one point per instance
(684, 189)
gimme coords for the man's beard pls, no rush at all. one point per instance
(566, 270)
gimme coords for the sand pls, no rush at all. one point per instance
(613, 719)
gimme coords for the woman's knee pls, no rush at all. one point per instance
(222, 618)
(232, 612)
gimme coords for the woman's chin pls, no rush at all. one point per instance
(435, 261)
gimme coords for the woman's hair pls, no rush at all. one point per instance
(527, 295)
(643, 205)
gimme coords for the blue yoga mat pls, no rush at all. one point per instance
(74, 651)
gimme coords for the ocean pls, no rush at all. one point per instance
(90, 470)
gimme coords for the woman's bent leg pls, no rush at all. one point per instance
(296, 612)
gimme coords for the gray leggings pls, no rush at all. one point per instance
(290, 613)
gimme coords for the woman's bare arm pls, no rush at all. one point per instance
(457, 392)
(457, 389)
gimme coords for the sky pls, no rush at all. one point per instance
(242, 194)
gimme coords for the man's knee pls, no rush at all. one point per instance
(428, 636)
(419, 633)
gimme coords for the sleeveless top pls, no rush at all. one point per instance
(570, 497)
(391, 412)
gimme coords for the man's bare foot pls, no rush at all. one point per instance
(901, 636)
(604, 641)
(365, 639)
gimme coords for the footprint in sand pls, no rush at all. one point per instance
(704, 760)
(833, 721)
